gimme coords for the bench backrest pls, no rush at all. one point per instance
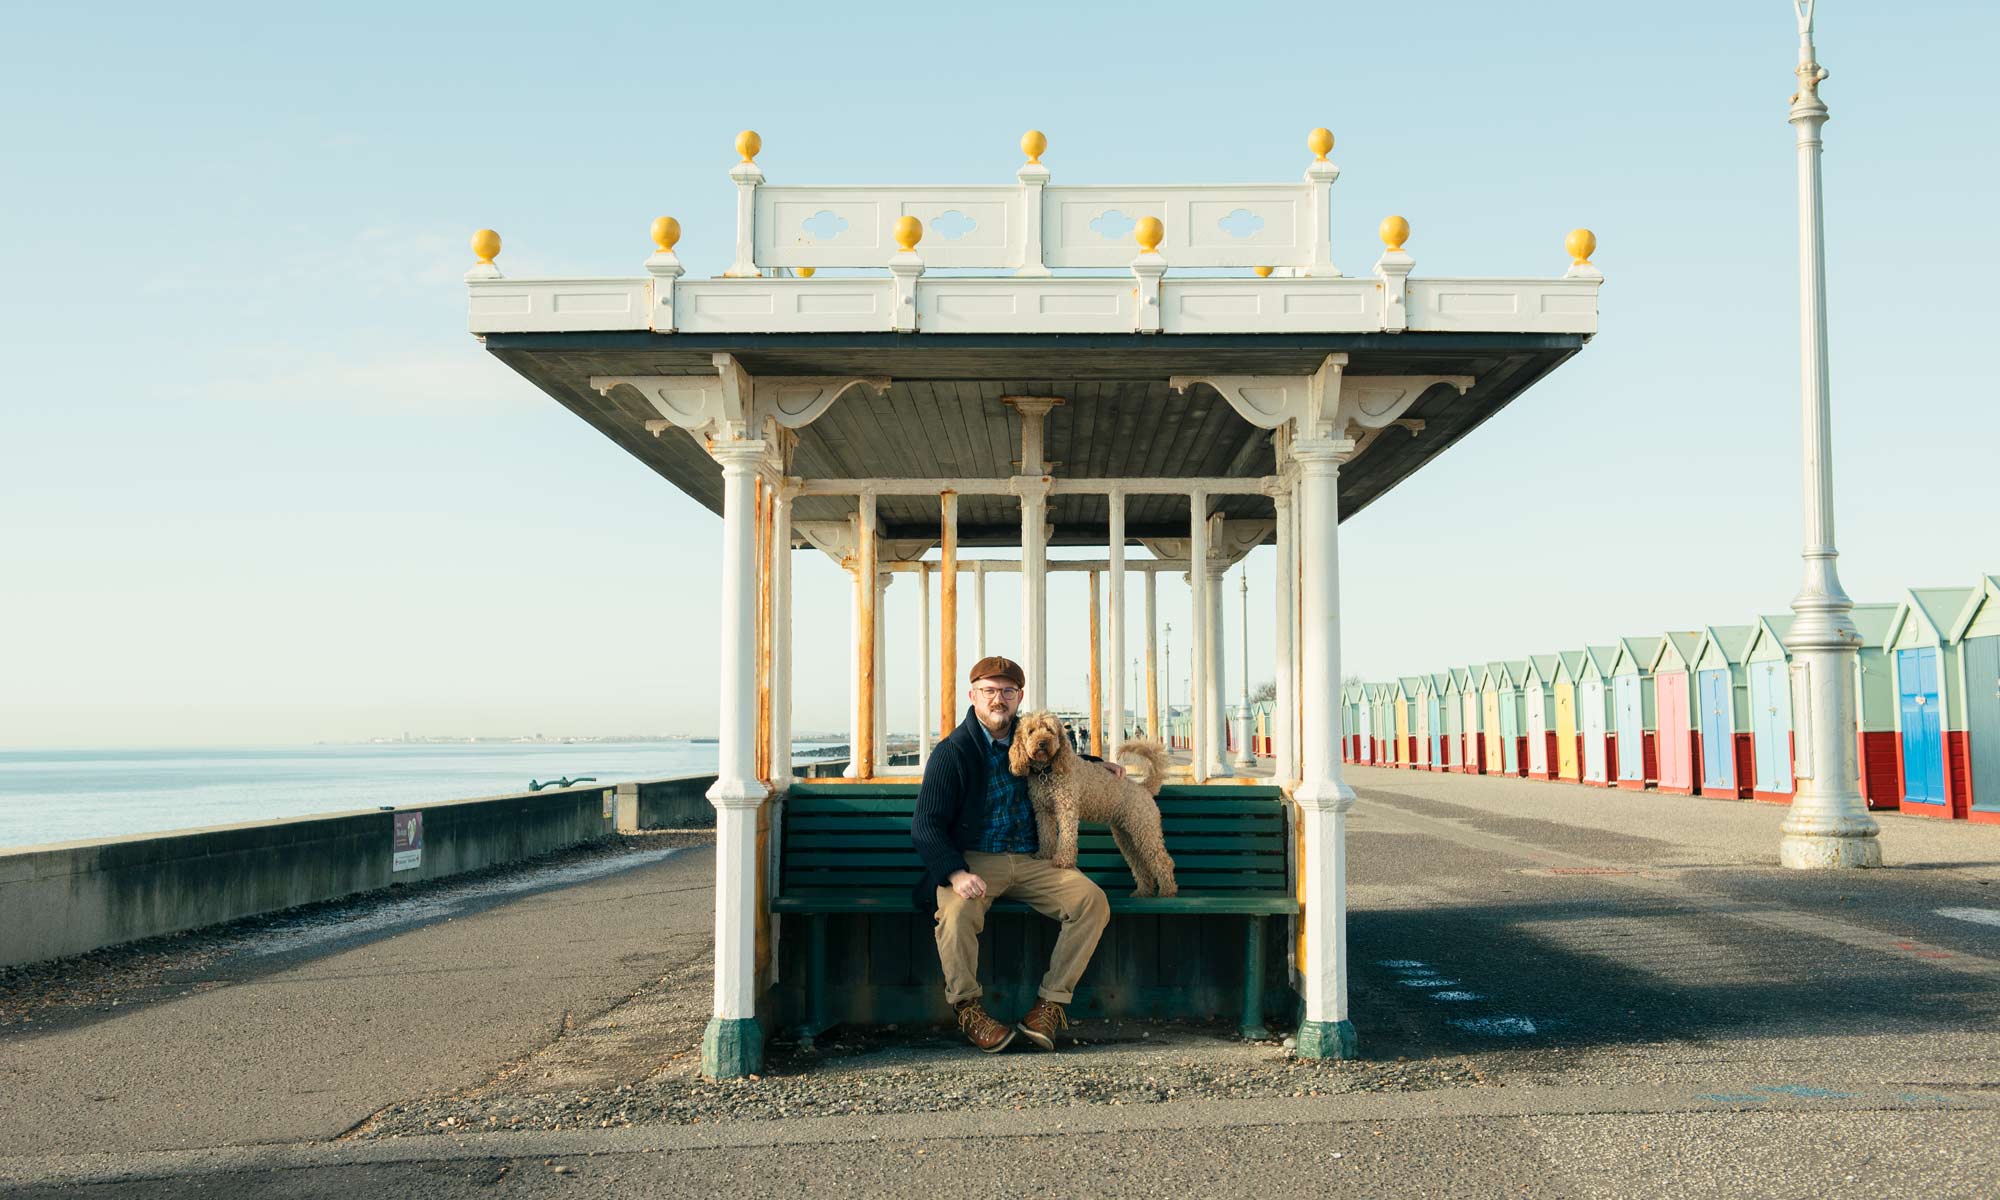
(852, 839)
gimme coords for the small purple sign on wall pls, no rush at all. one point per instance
(406, 842)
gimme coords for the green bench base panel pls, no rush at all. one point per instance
(883, 968)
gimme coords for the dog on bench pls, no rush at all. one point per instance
(1065, 789)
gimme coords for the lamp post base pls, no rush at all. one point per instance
(1805, 852)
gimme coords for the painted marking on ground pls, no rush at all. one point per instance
(1805, 1093)
(1978, 916)
(1728, 1098)
(1496, 1026)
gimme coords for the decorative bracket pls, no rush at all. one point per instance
(1229, 540)
(732, 404)
(1326, 404)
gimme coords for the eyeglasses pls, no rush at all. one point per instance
(994, 693)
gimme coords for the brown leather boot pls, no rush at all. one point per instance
(980, 1029)
(1042, 1022)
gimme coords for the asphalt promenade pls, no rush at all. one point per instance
(1560, 991)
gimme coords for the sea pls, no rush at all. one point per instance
(66, 795)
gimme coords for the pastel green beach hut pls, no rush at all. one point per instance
(1597, 723)
(1501, 720)
(1977, 633)
(1538, 697)
(1472, 749)
(1453, 745)
(1722, 692)
(1875, 694)
(1771, 745)
(1569, 745)
(1674, 707)
(1930, 708)
(1634, 719)
(1429, 721)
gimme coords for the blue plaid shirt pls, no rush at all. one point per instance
(1010, 818)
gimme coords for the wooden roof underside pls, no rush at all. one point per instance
(941, 417)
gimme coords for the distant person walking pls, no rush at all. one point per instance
(975, 830)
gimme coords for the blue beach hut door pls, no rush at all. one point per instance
(1923, 734)
(1771, 725)
(1716, 769)
(1437, 733)
(1631, 727)
(1982, 717)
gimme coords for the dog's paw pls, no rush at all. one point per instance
(1168, 891)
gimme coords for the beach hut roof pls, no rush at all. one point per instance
(1467, 677)
(1686, 644)
(1771, 627)
(1937, 608)
(1411, 686)
(1572, 664)
(1732, 640)
(1640, 652)
(1873, 620)
(1543, 667)
(1441, 681)
(1988, 590)
(1600, 657)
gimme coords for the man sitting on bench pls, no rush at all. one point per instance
(975, 831)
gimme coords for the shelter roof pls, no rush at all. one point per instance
(1080, 299)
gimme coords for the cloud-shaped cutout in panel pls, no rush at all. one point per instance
(1113, 225)
(952, 225)
(1240, 224)
(824, 225)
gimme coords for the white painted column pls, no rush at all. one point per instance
(737, 793)
(923, 664)
(1212, 677)
(1285, 713)
(781, 634)
(1035, 593)
(882, 581)
(857, 608)
(1197, 577)
(1323, 795)
(1154, 729)
(979, 608)
(1116, 703)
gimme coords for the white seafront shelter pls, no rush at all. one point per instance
(1182, 367)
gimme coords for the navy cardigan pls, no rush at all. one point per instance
(951, 808)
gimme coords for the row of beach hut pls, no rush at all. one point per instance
(1709, 712)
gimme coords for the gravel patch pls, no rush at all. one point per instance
(879, 1071)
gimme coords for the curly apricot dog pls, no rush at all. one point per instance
(1065, 789)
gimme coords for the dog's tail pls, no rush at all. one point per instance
(1153, 756)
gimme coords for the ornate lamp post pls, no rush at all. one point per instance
(1246, 756)
(1829, 825)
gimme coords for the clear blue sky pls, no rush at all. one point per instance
(260, 486)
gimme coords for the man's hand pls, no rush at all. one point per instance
(1117, 769)
(967, 885)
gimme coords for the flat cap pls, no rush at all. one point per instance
(995, 667)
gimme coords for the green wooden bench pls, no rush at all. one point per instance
(846, 849)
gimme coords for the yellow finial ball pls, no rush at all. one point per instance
(909, 231)
(1395, 231)
(486, 244)
(804, 272)
(1581, 244)
(1148, 233)
(666, 233)
(748, 144)
(1320, 141)
(1032, 145)
(1262, 272)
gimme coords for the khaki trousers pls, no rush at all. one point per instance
(1065, 894)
